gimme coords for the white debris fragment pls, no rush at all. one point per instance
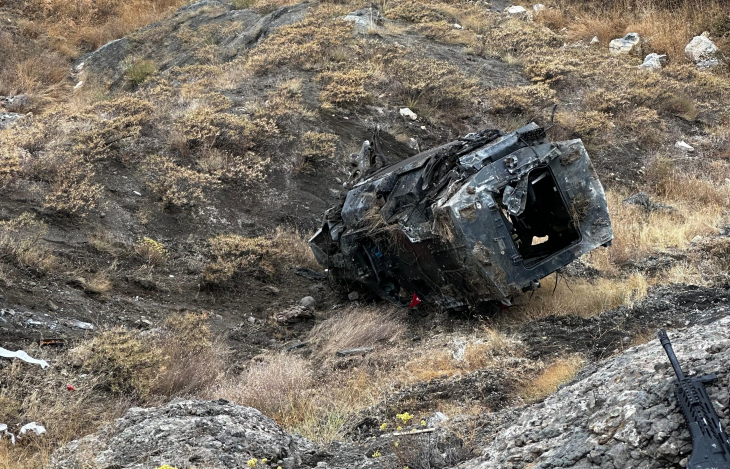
(407, 113)
(81, 324)
(79, 67)
(457, 26)
(4, 430)
(682, 145)
(515, 10)
(32, 427)
(78, 85)
(137, 193)
(459, 350)
(538, 7)
(23, 356)
(654, 61)
(595, 41)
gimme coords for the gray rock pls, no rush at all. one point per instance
(643, 200)
(8, 118)
(365, 19)
(618, 414)
(308, 302)
(353, 296)
(654, 61)
(15, 103)
(354, 351)
(335, 193)
(629, 44)
(702, 52)
(437, 419)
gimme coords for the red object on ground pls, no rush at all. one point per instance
(415, 301)
(70, 387)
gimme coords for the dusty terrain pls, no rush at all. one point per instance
(158, 192)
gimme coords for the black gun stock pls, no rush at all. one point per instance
(710, 446)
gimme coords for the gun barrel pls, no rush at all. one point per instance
(664, 340)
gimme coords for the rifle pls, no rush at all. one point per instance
(710, 446)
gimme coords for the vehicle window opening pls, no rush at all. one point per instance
(546, 226)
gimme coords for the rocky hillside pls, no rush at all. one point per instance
(620, 413)
(163, 166)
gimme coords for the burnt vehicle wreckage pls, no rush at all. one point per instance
(476, 220)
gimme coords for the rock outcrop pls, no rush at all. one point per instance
(156, 44)
(619, 414)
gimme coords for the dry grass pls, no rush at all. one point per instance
(277, 385)
(484, 350)
(110, 373)
(579, 297)
(35, 57)
(667, 25)
(363, 327)
(560, 372)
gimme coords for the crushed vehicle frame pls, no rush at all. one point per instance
(478, 219)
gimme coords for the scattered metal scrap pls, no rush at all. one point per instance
(477, 219)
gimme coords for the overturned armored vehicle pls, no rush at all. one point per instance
(475, 220)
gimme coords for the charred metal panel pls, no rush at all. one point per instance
(478, 219)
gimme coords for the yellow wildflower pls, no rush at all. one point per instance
(252, 462)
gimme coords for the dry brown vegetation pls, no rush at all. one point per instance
(110, 372)
(38, 45)
(560, 372)
(260, 255)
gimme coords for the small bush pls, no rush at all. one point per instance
(317, 147)
(344, 88)
(259, 255)
(176, 185)
(194, 360)
(138, 71)
(21, 244)
(153, 252)
(125, 363)
(520, 99)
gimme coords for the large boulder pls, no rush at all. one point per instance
(204, 434)
(702, 52)
(619, 414)
(211, 434)
(629, 44)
